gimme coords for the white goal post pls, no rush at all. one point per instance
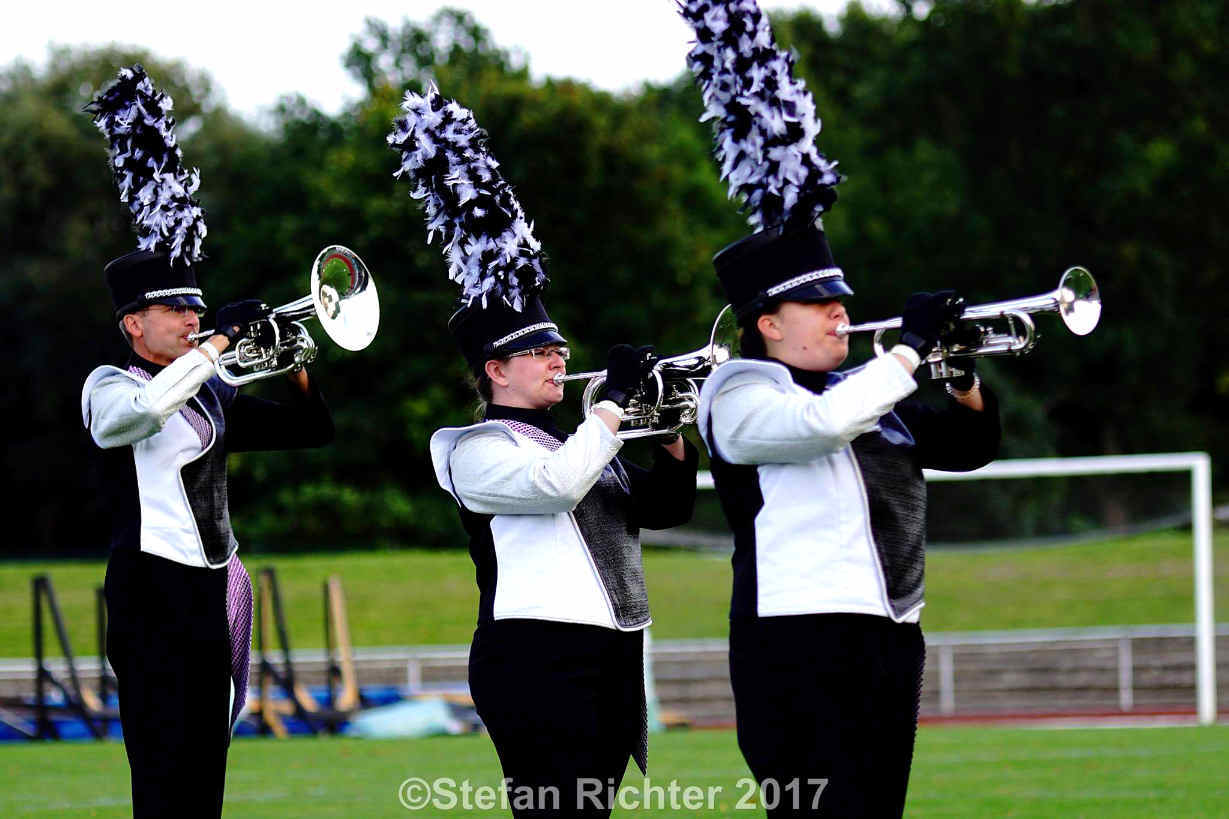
(1199, 464)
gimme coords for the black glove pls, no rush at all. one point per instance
(963, 383)
(626, 367)
(928, 316)
(234, 319)
(963, 337)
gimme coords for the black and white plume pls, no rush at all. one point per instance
(489, 246)
(148, 165)
(765, 124)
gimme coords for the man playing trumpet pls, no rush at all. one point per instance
(178, 599)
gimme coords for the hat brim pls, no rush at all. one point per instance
(539, 339)
(817, 291)
(181, 301)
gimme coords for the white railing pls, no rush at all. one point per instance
(945, 644)
(1199, 464)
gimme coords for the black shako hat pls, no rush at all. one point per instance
(144, 277)
(779, 264)
(498, 330)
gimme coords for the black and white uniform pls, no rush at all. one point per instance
(556, 664)
(820, 477)
(165, 433)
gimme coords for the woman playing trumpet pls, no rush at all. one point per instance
(819, 472)
(553, 518)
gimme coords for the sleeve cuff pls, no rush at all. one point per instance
(905, 351)
(611, 407)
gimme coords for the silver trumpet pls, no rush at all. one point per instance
(1076, 300)
(668, 398)
(342, 298)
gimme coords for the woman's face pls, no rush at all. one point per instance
(803, 334)
(527, 379)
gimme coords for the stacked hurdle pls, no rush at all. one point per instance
(75, 697)
(329, 716)
(62, 692)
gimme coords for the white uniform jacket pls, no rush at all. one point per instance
(165, 439)
(800, 513)
(554, 527)
(823, 487)
(121, 409)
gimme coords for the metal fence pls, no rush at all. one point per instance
(987, 674)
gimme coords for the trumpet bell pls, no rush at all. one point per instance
(1079, 301)
(723, 341)
(342, 298)
(345, 298)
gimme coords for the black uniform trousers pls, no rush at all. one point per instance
(564, 705)
(828, 697)
(168, 643)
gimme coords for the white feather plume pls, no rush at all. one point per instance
(136, 119)
(764, 118)
(489, 246)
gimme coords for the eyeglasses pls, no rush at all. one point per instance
(535, 353)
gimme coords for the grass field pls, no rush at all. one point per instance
(416, 597)
(958, 772)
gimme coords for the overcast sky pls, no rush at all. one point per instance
(256, 51)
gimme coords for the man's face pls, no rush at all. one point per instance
(161, 333)
(807, 334)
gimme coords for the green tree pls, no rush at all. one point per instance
(987, 145)
(589, 168)
(994, 143)
(60, 220)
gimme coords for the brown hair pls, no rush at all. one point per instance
(750, 342)
(482, 386)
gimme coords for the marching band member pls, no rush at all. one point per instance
(556, 663)
(178, 599)
(819, 472)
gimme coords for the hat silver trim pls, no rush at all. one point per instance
(174, 291)
(524, 331)
(814, 275)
